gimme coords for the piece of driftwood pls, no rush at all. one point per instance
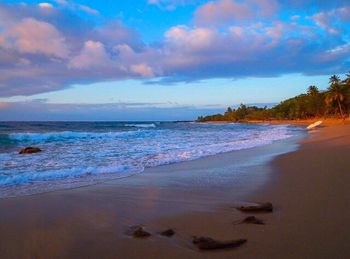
(207, 243)
(259, 207)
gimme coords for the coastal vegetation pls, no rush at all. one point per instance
(333, 102)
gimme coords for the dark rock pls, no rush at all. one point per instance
(253, 220)
(168, 233)
(29, 150)
(137, 232)
(207, 243)
(260, 207)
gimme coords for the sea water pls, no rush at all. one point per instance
(82, 153)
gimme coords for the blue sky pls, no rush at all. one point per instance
(164, 59)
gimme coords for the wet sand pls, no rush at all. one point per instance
(308, 187)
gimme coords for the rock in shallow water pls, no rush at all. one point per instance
(168, 233)
(207, 243)
(252, 220)
(29, 150)
(259, 207)
(137, 232)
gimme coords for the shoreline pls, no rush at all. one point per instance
(309, 191)
(90, 221)
(304, 122)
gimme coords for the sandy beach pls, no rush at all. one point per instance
(308, 188)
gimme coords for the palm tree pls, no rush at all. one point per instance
(334, 79)
(313, 90)
(336, 94)
(347, 79)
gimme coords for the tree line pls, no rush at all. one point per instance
(334, 102)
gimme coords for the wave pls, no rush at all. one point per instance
(141, 125)
(71, 135)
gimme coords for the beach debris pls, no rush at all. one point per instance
(259, 207)
(168, 232)
(252, 220)
(137, 232)
(29, 150)
(207, 243)
(314, 125)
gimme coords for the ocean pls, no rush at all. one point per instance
(82, 153)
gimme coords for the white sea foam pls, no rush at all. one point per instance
(141, 125)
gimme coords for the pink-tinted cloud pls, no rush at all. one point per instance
(4, 105)
(193, 40)
(223, 11)
(93, 54)
(329, 20)
(142, 70)
(226, 11)
(35, 37)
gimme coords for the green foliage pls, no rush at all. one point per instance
(333, 102)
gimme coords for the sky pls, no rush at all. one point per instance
(164, 59)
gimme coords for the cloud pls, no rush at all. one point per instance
(190, 39)
(169, 4)
(332, 21)
(142, 70)
(88, 10)
(3, 105)
(45, 5)
(226, 11)
(249, 50)
(223, 11)
(43, 51)
(33, 36)
(93, 54)
(73, 6)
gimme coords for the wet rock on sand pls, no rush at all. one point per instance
(29, 150)
(252, 220)
(137, 232)
(207, 243)
(259, 207)
(167, 233)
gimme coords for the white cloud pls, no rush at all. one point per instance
(45, 5)
(169, 4)
(74, 6)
